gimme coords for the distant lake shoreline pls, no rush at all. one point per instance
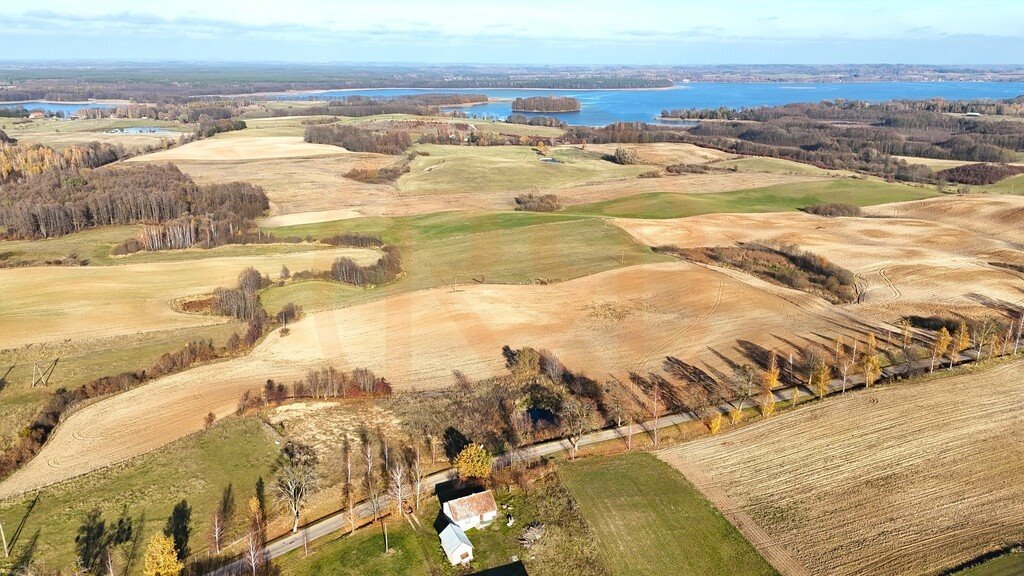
(601, 107)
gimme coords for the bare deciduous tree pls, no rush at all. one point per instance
(296, 480)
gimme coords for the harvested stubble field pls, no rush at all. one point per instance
(75, 303)
(302, 184)
(242, 148)
(666, 153)
(605, 324)
(999, 217)
(906, 479)
(903, 266)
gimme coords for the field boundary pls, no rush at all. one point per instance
(773, 552)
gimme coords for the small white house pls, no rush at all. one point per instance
(471, 511)
(456, 545)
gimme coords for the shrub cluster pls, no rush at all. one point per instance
(534, 203)
(833, 210)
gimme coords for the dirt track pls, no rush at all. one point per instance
(907, 479)
(605, 324)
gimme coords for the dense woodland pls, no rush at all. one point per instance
(546, 104)
(19, 161)
(534, 120)
(60, 202)
(357, 139)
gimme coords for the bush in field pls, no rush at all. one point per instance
(533, 203)
(833, 210)
(625, 156)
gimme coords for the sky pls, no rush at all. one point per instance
(678, 32)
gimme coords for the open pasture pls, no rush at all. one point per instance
(910, 479)
(60, 134)
(666, 153)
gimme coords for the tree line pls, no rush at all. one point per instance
(58, 202)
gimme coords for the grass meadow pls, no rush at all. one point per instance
(649, 520)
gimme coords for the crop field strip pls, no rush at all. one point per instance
(904, 479)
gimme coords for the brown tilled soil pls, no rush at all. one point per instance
(905, 479)
(604, 324)
(903, 266)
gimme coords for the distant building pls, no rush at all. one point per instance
(37, 115)
(972, 114)
(456, 545)
(471, 511)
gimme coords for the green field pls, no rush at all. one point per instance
(774, 166)
(362, 554)
(649, 520)
(1007, 565)
(493, 169)
(771, 199)
(196, 468)
(1011, 185)
(60, 134)
(446, 249)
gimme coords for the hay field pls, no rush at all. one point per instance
(242, 148)
(52, 304)
(908, 479)
(608, 323)
(903, 266)
(777, 166)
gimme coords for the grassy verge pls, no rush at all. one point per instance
(1007, 565)
(771, 199)
(649, 520)
(196, 468)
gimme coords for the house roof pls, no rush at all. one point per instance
(452, 538)
(471, 506)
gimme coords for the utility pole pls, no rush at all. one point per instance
(7, 553)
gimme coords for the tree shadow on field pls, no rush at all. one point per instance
(24, 558)
(757, 354)
(21, 525)
(1002, 306)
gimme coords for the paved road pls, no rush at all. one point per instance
(363, 511)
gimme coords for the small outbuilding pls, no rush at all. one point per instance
(37, 115)
(456, 545)
(471, 511)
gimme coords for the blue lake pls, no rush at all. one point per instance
(600, 107)
(67, 108)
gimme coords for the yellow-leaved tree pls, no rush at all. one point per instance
(161, 558)
(474, 462)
